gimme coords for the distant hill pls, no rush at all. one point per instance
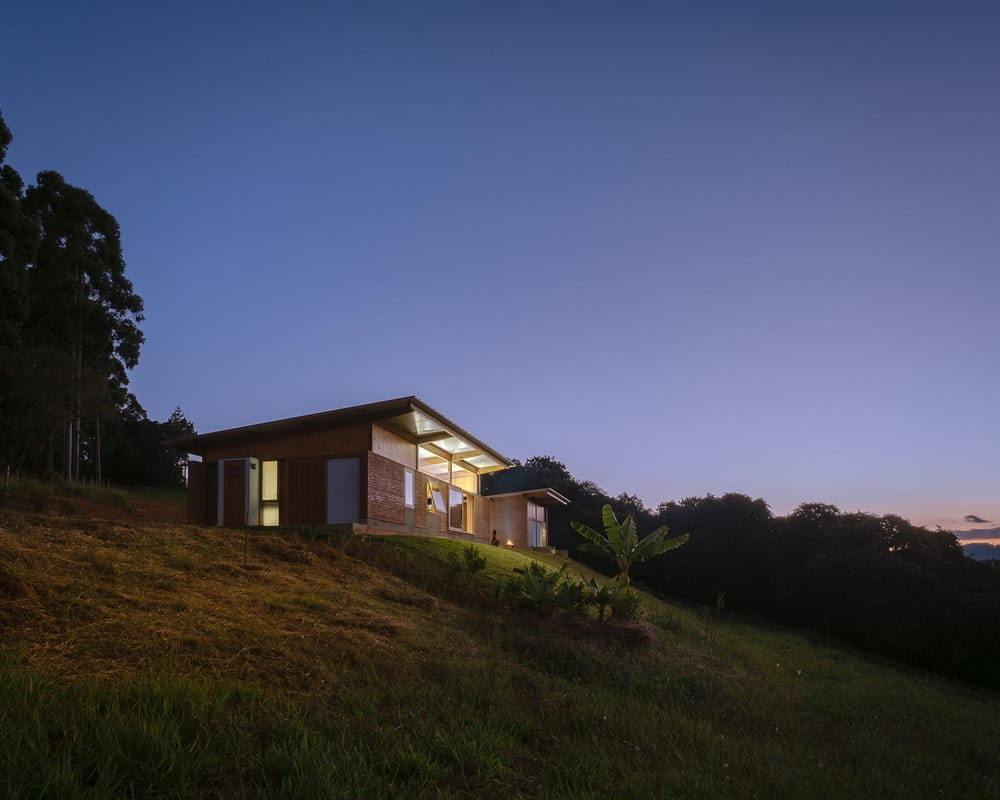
(974, 547)
(982, 533)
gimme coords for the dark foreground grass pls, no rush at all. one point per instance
(58, 495)
(144, 661)
(472, 729)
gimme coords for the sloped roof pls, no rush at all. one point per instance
(409, 417)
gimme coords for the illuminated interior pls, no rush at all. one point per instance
(269, 493)
(433, 464)
(464, 478)
(408, 488)
(460, 510)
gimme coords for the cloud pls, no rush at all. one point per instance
(975, 519)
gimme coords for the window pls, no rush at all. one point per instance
(435, 498)
(463, 478)
(460, 510)
(268, 492)
(408, 488)
(430, 463)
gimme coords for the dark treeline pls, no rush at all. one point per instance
(69, 332)
(877, 582)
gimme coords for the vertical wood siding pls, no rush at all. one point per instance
(396, 448)
(196, 493)
(302, 492)
(350, 441)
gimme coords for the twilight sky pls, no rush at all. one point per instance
(683, 247)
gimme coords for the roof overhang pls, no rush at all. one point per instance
(545, 497)
(408, 417)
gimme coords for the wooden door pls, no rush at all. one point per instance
(234, 494)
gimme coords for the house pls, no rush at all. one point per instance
(392, 467)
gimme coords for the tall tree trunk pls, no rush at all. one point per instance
(50, 447)
(98, 464)
(68, 460)
(77, 378)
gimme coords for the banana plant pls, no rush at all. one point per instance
(621, 542)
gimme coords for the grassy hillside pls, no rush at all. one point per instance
(142, 658)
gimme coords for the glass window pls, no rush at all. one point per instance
(463, 478)
(431, 463)
(435, 498)
(269, 514)
(408, 487)
(269, 493)
(269, 480)
(455, 509)
(460, 510)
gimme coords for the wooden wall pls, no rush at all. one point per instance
(509, 516)
(212, 493)
(481, 512)
(396, 448)
(353, 440)
(302, 492)
(196, 511)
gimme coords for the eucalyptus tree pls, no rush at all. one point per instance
(18, 244)
(83, 305)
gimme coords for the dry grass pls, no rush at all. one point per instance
(86, 598)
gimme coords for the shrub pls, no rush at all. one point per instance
(625, 604)
(543, 591)
(474, 560)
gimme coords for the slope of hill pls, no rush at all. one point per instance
(982, 545)
(982, 533)
(147, 658)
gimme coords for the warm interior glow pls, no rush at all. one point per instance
(431, 463)
(463, 478)
(269, 493)
(268, 481)
(454, 445)
(460, 510)
(269, 514)
(483, 462)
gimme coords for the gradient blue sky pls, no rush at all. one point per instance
(683, 247)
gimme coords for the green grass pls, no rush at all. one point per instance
(144, 660)
(39, 495)
(176, 495)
